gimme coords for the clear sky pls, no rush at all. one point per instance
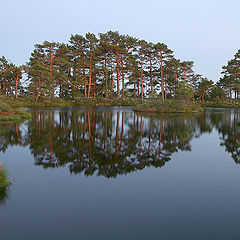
(206, 32)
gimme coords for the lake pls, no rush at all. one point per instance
(110, 173)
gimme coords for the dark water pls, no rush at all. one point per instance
(109, 173)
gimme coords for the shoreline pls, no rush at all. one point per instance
(10, 107)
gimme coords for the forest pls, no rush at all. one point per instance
(110, 66)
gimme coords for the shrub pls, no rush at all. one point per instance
(3, 177)
(184, 92)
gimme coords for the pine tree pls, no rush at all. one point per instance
(47, 56)
(163, 53)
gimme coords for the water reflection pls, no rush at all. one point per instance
(229, 131)
(114, 142)
(4, 195)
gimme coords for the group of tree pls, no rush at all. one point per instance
(10, 76)
(110, 66)
(230, 82)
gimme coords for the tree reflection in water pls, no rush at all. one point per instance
(110, 143)
(106, 143)
(4, 195)
(227, 125)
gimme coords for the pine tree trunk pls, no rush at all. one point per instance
(106, 79)
(85, 83)
(151, 79)
(162, 78)
(118, 88)
(122, 82)
(142, 74)
(134, 81)
(138, 87)
(90, 75)
(51, 67)
(16, 93)
(39, 87)
(4, 82)
(203, 95)
(165, 90)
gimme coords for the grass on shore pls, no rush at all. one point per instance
(149, 105)
(8, 113)
(3, 178)
(222, 103)
(9, 104)
(168, 106)
(61, 102)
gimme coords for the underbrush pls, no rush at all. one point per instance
(62, 102)
(222, 103)
(168, 106)
(9, 113)
(106, 102)
(3, 177)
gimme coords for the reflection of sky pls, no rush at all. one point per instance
(203, 31)
(194, 191)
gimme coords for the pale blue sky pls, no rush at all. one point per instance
(207, 31)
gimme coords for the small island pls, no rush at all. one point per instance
(111, 70)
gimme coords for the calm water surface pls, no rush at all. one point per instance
(109, 173)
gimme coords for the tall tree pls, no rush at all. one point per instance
(48, 52)
(91, 46)
(163, 54)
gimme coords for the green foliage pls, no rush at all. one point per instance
(8, 113)
(203, 88)
(111, 65)
(184, 92)
(10, 76)
(105, 102)
(222, 103)
(4, 107)
(62, 102)
(4, 182)
(168, 106)
(216, 93)
(230, 82)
